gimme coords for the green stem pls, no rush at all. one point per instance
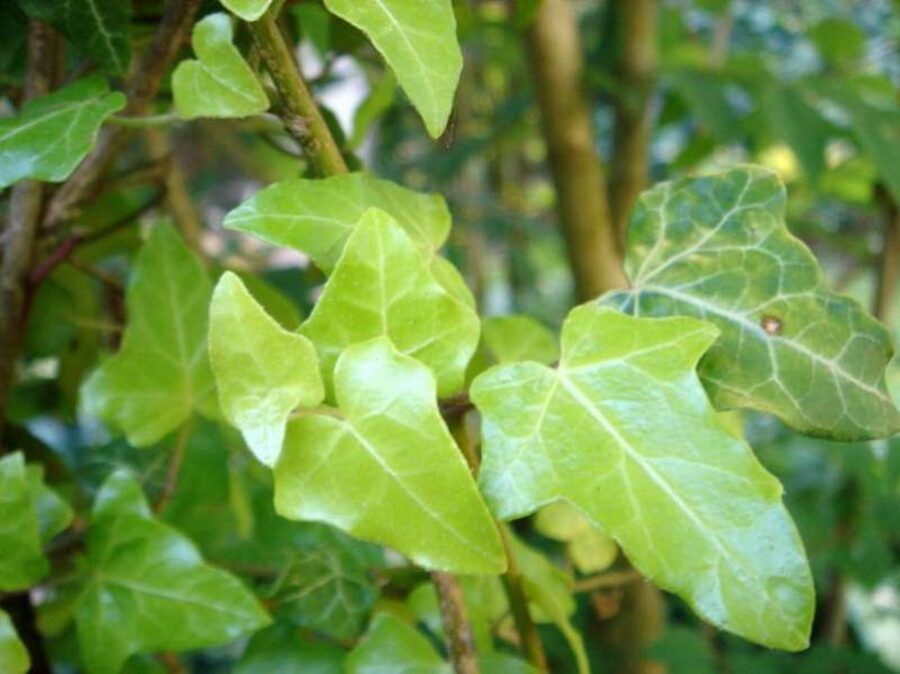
(300, 114)
(513, 582)
(144, 121)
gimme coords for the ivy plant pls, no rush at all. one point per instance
(354, 490)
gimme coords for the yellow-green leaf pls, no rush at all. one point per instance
(263, 371)
(161, 374)
(13, 655)
(248, 10)
(623, 430)
(316, 217)
(383, 286)
(219, 83)
(384, 468)
(418, 40)
(22, 562)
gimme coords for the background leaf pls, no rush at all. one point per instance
(248, 10)
(149, 589)
(53, 133)
(161, 374)
(393, 646)
(13, 656)
(22, 562)
(100, 29)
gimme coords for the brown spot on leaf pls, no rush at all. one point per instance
(772, 325)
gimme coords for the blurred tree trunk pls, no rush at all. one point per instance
(889, 262)
(634, 76)
(557, 66)
(589, 224)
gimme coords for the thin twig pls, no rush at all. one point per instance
(174, 470)
(144, 121)
(456, 623)
(513, 582)
(300, 114)
(141, 88)
(607, 581)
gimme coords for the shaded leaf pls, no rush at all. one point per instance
(219, 83)
(589, 549)
(717, 248)
(263, 372)
(418, 40)
(53, 133)
(383, 287)
(100, 29)
(326, 587)
(393, 646)
(317, 217)
(624, 431)
(13, 655)
(514, 338)
(53, 513)
(385, 468)
(161, 374)
(22, 562)
(148, 587)
(281, 649)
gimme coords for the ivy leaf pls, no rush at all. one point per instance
(149, 589)
(53, 133)
(22, 562)
(385, 468)
(326, 588)
(623, 430)
(100, 29)
(263, 372)
(717, 248)
(278, 649)
(383, 287)
(316, 217)
(52, 512)
(589, 549)
(418, 40)
(161, 374)
(549, 591)
(248, 10)
(393, 646)
(220, 83)
(13, 655)
(515, 338)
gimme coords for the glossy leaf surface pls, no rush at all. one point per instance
(386, 468)
(149, 589)
(219, 83)
(624, 431)
(161, 373)
(316, 217)
(418, 40)
(22, 562)
(263, 371)
(53, 133)
(383, 287)
(13, 655)
(717, 248)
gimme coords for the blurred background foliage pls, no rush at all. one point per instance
(806, 87)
